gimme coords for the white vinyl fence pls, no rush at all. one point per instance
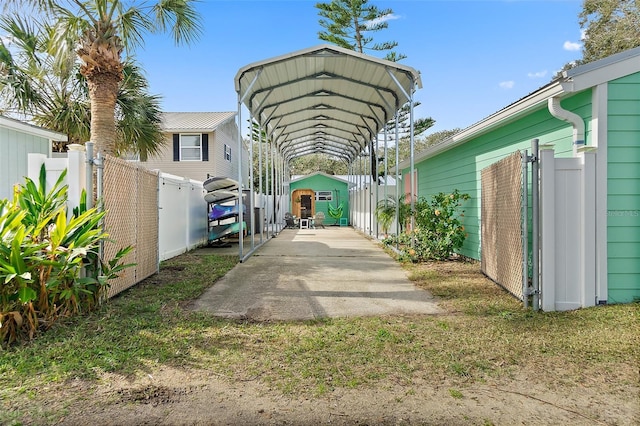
(182, 215)
(362, 205)
(182, 210)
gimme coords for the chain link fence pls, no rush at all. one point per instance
(130, 198)
(501, 223)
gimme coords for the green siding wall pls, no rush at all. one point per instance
(623, 187)
(460, 168)
(14, 149)
(319, 182)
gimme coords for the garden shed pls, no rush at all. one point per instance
(320, 192)
(588, 120)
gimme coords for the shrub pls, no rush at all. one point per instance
(438, 229)
(49, 265)
(386, 212)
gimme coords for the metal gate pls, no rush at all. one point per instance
(501, 223)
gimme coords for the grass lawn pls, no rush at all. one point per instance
(484, 334)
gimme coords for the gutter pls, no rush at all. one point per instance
(533, 101)
(575, 120)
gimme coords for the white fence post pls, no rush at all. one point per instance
(76, 174)
(547, 229)
(589, 257)
(34, 163)
(53, 166)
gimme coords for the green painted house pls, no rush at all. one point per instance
(316, 192)
(594, 107)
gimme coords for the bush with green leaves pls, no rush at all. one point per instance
(438, 231)
(49, 263)
(386, 211)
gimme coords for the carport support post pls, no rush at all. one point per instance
(412, 174)
(266, 186)
(386, 167)
(273, 188)
(397, 185)
(375, 197)
(261, 191)
(372, 156)
(250, 210)
(240, 203)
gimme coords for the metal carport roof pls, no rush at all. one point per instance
(324, 99)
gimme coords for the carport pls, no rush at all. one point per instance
(324, 99)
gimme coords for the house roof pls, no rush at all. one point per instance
(572, 81)
(11, 123)
(353, 180)
(302, 177)
(324, 99)
(194, 121)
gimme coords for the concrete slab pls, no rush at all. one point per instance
(316, 273)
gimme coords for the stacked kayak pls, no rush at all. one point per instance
(221, 189)
(220, 231)
(220, 212)
(223, 206)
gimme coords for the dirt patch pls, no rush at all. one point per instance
(185, 397)
(534, 394)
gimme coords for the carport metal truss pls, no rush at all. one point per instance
(324, 99)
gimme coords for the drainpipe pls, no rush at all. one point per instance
(574, 119)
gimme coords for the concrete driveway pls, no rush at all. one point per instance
(316, 273)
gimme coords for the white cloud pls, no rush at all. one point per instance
(382, 19)
(539, 74)
(507, 84)
(571, 46)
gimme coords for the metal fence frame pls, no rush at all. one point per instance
(502, 253)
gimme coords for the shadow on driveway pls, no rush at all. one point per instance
(316, 273)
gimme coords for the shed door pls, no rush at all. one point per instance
(303, 203)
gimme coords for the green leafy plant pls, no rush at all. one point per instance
(386, 212)
(49, 263)
(438, 232)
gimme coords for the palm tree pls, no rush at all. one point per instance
(386, 210)
(35, 86)
(51, 92)
(100, 31)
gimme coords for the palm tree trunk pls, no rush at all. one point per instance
(103, 91)
(103, 69)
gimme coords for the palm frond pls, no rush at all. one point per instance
(179, 16)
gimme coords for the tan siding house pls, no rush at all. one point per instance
(199, 145)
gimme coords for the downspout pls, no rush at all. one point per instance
(574, 119)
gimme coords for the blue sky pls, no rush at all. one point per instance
(475, 57)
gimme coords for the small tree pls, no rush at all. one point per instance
(439, 231)
(386, 212)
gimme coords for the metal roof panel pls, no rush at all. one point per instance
(349, 95)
